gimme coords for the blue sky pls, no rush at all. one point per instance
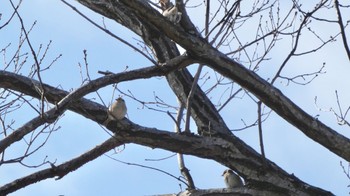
(71, 34)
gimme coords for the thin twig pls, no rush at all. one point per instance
(196, 77)
(297, 39)
(147, 167)
(261, 134)
(109, 33)
(183, 169)
(342, 30)
(37, 64)
(189, 99)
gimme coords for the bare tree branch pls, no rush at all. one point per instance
(342, 29)
(231, 64)
(40, 89)
(271, 96)
(61, 170)
(228, 150)
(261, 139)
(25, 85)
(109, 33)
(183, 169)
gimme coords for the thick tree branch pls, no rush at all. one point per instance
(228, 150)
(62, 169)
(146, 22)
(267, 93)
(62, 101)
(222, 150)
(203, 111)
(222, 146)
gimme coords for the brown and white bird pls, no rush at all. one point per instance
(231, 179)
(172, 14)
(165, 4)
(117, 110)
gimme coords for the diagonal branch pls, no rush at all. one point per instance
(28, 86)
(229, 150)
(267, 93)
(180, 158)
(108, 32)
(342, 28)
(62, 169)
(203, 111)
(222, 150)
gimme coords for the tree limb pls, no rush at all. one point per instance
(342, 29)
(267, 93)
(228, 150)
(62, 100)
(62, 169)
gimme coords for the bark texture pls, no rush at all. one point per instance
(214, 139)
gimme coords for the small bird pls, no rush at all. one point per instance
(172, 14)
(231, 179)
(117, 110)
(165, 4)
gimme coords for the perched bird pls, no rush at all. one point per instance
(172, 14)
(165, 4)
(117, 110)
(231, 179)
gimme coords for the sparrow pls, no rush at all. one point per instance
(165, 4)
(172, 14)
(231, 179)
(117, 110)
